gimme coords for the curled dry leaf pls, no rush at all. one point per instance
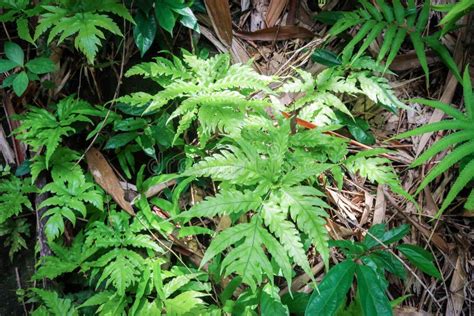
(107, 179)
(277, 33)
(275, 9)
(219, 12)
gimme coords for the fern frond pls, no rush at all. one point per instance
(224, 203)
(307, 209)
(14, 197)
(276, 219)
(55, 305)
(14, 232)
(443, 144)
(455, 156)
(464, 177)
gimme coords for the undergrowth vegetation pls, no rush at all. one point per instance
(215, 197)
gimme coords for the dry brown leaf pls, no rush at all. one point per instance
(456, 288)
(380, 206)
(275, 9)
(106, 178)
(5, 149)
(409, 311)
(219, 12)
(277, 33)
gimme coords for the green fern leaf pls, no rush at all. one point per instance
(14, 197)
(225, 202)
(55, 305)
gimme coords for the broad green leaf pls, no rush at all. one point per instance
(386, 237)
(331, 292)
(40, 65)
(7, 65)
(14, 53)
(371, 293)
(120, 140)
(20, 83)
(296, 302)
(325, 57)
(144, 31)
(165, 17)
(188, 19)
(420, 258)
(270, 303)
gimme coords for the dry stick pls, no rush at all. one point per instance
(18, 282)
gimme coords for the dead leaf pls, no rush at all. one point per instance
(380, 206)
(277, 33)
(107, 179)
(456, 288)
(219, 12)
(275, 9)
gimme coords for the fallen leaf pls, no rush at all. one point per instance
(107, 179)
(219, 12)
(275, 9)
(277, 33)
(456, 288)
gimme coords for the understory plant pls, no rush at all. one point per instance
(394, 22)
(270, 178)
(460, 141)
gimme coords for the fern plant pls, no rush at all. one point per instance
(83, 19)
(68, 198)
(461, 141)
(260, 176)
(14, 197)
(395, 23)
(15, 232)
(39, 128)
(369, 261)
(212, 90)
(117, 264)
(52, 304)
(329, 90)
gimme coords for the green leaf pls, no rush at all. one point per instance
(420, 258)
(144, 31)
(40, 65)
(332, 290)
(386, 237)
(325, 57)
(444, 54)
(371, 293)
(24, 31)
(7, 65)
(120, 140)
(14, 52)
(165, 17)
(296, 302)
(419, 46)
(20, 83)
(270, 303)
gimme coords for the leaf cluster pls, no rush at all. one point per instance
(461, 141)
(29, 70)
